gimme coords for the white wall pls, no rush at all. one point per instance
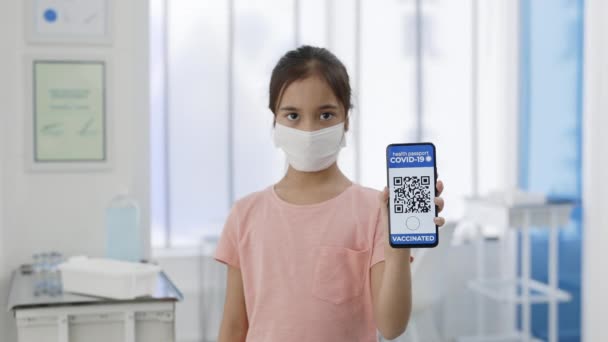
(64, 211)
(595, 167)
(3, 90)
(6, 93)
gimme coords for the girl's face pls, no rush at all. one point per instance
(309, 105)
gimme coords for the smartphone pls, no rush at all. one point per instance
(411, 172)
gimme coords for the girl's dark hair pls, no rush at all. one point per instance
(307, 61)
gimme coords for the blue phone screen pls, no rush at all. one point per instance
(411, 183)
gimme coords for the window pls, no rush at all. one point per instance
(410, 64)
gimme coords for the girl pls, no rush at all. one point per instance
(308, 257)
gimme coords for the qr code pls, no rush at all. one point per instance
(412, 194)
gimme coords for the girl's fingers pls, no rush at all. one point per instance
(440, 221)
(384, 195)
(439, 203)
(383, 198)
(439, 187)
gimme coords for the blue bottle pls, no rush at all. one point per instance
(123, 232)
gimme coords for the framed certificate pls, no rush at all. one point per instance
(68, 21)
(68, 116)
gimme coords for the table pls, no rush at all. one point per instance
(68, 317)
(520, 290)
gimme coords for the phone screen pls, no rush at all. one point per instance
(411, 177)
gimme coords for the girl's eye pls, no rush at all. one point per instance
(292, 116)
(327, 116)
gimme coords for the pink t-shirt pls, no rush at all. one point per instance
(306, 268)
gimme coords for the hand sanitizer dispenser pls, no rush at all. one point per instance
(123, 231)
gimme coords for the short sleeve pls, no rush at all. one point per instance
(380, 238)
(227, 250)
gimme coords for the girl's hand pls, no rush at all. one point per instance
(405, 252)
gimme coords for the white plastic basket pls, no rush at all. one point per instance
(108, 278)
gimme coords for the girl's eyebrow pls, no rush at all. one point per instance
(328, 106)
(289, 108)
(325, 106)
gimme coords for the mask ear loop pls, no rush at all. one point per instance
(344, 132)
(274, 125)
(285, 162)
(346, 128)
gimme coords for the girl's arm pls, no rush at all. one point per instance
(234, 321)
(391, 285)
(391, 280)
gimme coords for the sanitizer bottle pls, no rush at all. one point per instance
(123, 233)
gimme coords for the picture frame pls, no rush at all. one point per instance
(68, 126)
(68, 21)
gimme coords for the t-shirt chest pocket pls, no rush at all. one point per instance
(339, 273)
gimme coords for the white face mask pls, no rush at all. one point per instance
(310, 151)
